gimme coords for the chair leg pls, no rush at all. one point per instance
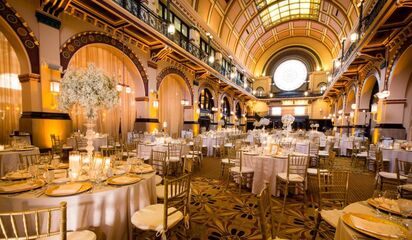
(285, 194)
(317, 225)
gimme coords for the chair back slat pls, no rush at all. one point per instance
(403, 168)
(158, 161)
(333, 189)
(297, 164)
(12, 222)
(176, 196)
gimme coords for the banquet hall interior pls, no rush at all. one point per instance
(205, 119)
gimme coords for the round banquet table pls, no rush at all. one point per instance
(107, 211)
(344, 232)
(265, 170)
(9, 159)
(392, 154)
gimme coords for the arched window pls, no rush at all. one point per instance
(225, 107)
(206, 100)
(260, 91)
(290, 75)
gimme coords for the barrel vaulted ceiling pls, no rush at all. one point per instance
(254, 30)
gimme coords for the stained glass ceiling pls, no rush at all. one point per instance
(274, 12)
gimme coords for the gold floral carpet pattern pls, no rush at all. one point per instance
(221, 213)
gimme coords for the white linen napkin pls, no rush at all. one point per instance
(68, 188)
(378, 228)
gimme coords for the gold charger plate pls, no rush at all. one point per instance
(61, 166)
(17, 176)
(348, 221)
(376, 204)
(135, 179)
(37, 184)
(86, 186)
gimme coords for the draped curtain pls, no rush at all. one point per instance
(172, 91)
(114, 64)
(10, 90)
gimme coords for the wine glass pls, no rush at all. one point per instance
(33, 173)
(377, 194)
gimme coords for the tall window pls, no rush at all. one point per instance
(180, 26)
(260, 92)
(225, 107)
(290, 75)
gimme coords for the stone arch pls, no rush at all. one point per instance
(208, 86)
(71, 46)
(350, 99)
(229, 98)
(14, 27)
(173, 70)
(400, 74)
(366, 91)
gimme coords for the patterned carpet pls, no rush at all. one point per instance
(219, 213)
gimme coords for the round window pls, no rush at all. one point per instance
(290, 75)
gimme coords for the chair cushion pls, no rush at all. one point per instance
(226, 160)
(158, 179)
(323, 153)
(362, 154)
(78, 235)
(190, 156)
(331, 216)
(195, 152)
(244, 170)
(292, 177)
(406, 187)
(151, 218)
(173, 159)
(314, 171)
(391, 175)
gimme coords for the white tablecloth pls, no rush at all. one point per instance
(265, 170)
(106, 211)
(302, 147)
(9, 160)
(392, 154)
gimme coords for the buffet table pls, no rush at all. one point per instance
(9, 159)
(106, 211)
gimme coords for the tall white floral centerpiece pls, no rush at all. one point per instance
(264, 122)
(90, 89)
(287, 121)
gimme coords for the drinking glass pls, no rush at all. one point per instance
(377, 194)
(33, 172)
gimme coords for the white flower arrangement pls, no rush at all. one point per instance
(288, 119)
(264, 121)
(90, 88)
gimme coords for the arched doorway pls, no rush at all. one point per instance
(119, 120)
(174, 95)
(206, 103)
(10, 87)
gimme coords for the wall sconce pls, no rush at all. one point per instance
(119, 87)
(353, 106)
(184, 102)
(214, 109)
(128, 89)
(374, 111)
(198, 111)
(271, 95)
(155, 104)
(54, 87)
(351, 114)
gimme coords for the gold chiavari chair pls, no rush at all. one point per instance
(227, 162)
(392, 179)
(314, 153)
(81, 143)
(332, 195)
(161, 218)
(19, 225)
(129, 150)
(27, 160)
(239, 173)
(158, 161)
(219, 143)
(294, 177)
(265, 213)
(323, 154)
(57, 146)
(174, 157)
(360, 152)
(371, 159)
(336, 145)
(196, 153)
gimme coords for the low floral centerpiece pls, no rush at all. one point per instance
(90, 89)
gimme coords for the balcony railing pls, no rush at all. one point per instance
(141, 11)
(364, 26)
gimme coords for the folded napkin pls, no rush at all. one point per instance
(18, 174)
(21, 186)
(382, 229)
(68, 188)
(123, 179)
